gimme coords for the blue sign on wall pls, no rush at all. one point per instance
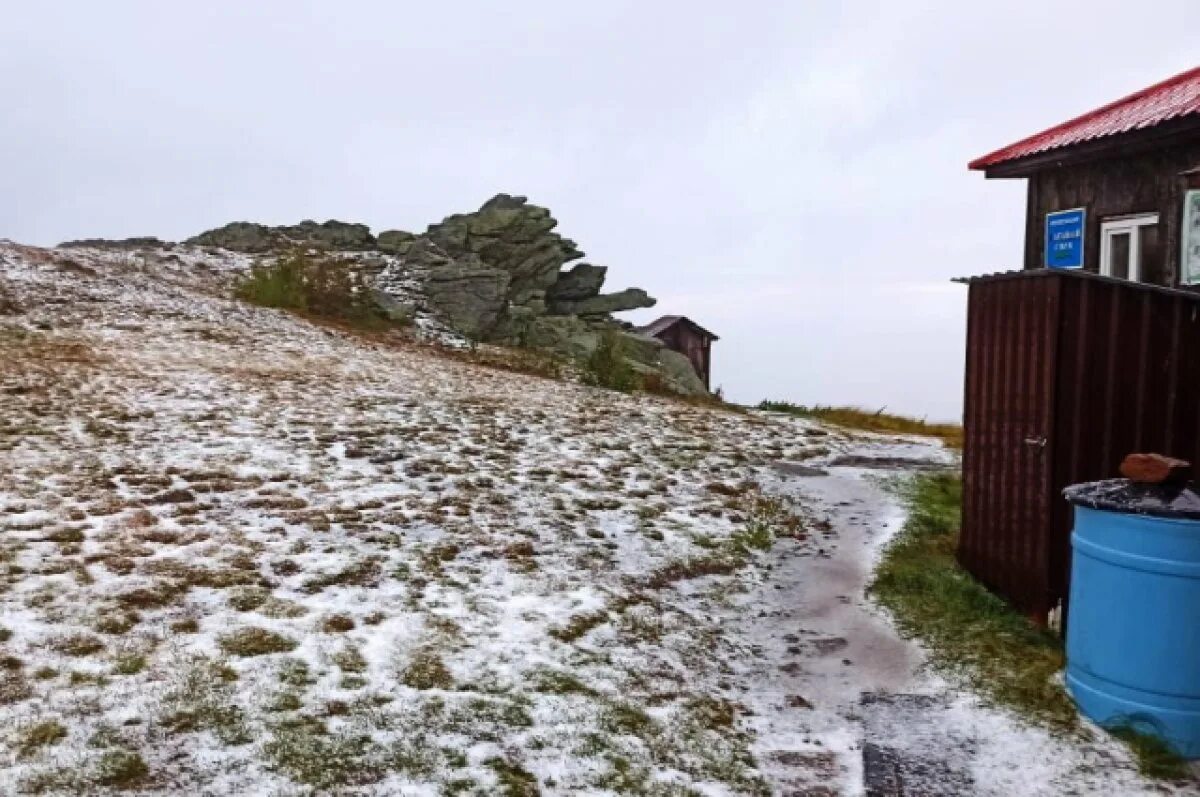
(1064, 238)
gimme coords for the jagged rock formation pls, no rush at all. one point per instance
(244, 236)
(604, 304)
(495, 275)
(497, 272)
(582, 281)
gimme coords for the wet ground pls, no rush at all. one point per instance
(844, 705)
(243, 554)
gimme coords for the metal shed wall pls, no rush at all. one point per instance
(1066, 373)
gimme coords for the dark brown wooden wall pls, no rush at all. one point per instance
(1141, 183)
(696, 347)
(1096, 367)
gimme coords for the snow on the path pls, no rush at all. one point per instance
(268, 558)
(812, 708)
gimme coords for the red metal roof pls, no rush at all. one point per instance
(1171, 99)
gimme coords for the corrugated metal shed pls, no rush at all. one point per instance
(1066, 373)
(1173, 98)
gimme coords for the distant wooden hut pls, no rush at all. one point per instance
(685, 336)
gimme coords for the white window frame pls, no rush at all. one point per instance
(1126, 225)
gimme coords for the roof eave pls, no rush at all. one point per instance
(1175, 131)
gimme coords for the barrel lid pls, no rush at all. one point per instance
(1122, 495)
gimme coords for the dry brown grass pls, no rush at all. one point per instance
(871, 421)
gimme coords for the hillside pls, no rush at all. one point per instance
(245, 553)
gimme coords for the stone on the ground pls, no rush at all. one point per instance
(677, 370)
(392, 308)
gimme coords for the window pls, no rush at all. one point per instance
(1130, 249)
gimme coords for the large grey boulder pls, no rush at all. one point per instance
(467, 294)
(469, 297)
(604, 304)
(394, 242)
(565, 334)
(583, 281)
(679, 374)
(393, 309)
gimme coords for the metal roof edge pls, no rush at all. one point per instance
(1074, 273)
(995, 157)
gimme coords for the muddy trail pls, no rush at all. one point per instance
(842, 704)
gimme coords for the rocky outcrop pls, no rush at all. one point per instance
(330, 234)
(393, 309)
(244, 236)
(394, 242)
(604, 304)
(239, 236)
(510, 235)
(567, 334)
(583, 280)
(496, 275)
(143, 242)
(470, 297)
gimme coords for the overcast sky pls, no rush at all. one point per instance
(791, 175)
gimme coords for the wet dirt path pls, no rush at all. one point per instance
(841, 704)
(819, 645)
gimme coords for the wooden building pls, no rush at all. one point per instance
(685, 336)
(1090, 352)
(1117, 190)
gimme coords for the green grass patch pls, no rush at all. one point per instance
(39, 735)
(121, 769)
(308, 754)
(579, 625)
(970, 632)
(609, 367)
(323, 286)
(514, 780)
(252, 641)
(1155, 758)
(426, 670)
(974, 636)
(872, 421)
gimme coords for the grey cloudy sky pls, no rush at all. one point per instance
(793, 175)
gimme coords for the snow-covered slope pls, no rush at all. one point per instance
(243, 554)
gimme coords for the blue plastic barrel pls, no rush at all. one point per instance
(1133, 630)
